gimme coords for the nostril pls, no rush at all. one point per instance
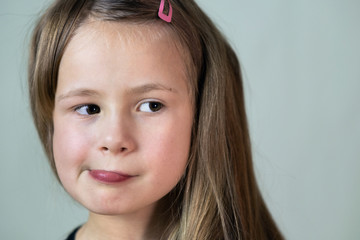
(105, 149)
(123, 149)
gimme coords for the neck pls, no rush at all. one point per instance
(133, 226)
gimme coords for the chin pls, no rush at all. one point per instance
(112, 209)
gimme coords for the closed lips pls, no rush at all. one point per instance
(109, 176)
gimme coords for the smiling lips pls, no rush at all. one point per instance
(108, 176)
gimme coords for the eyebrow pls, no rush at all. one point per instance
(82, 92)
(150, 87)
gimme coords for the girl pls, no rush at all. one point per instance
(139, 106)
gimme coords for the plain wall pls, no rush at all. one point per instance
(301, 66)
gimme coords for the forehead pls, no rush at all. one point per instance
(105, 37)
(112, 50)
(125, 32)
(122, 35)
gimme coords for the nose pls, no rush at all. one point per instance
(116, 136)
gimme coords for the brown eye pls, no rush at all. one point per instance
(150, 106)
(89, 109)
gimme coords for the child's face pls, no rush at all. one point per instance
(122, 118)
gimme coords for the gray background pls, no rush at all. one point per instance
(302, 81)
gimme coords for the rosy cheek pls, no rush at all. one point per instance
(166, 149)
(70, 148)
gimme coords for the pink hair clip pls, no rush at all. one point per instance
(162, 15)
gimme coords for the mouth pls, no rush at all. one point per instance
(109, 176)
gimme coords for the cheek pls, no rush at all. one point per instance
(69, 145)
(168, 148)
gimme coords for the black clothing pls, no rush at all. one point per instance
(72, 235)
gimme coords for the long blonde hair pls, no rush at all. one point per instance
(218, 198)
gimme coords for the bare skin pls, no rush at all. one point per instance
(122, 105)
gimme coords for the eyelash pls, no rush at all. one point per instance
(92, 109)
